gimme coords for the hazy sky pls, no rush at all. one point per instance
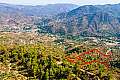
(43, 2)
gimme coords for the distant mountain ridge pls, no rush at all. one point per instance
(38, 10)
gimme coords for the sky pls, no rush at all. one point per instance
(44, 2)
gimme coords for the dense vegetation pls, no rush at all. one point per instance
(47, 61)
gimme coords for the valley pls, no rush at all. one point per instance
(59, 42)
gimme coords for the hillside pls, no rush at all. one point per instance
(26, 56)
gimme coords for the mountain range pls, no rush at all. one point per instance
(38, 10)
(87, 20)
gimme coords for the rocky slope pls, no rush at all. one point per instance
(89, 20)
